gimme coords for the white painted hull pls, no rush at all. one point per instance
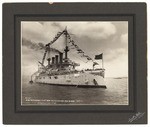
(80, 79)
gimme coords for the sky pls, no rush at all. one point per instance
(107, 37)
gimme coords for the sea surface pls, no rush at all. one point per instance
(42, 94)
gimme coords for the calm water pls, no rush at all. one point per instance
(41, 94)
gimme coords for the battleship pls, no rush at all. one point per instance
(61, 70)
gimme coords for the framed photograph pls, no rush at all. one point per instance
(74, 63)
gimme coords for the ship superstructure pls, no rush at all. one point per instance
(61, 70)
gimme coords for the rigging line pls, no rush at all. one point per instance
(75, 55)
(79, 58)
(94, 52)
(56, 37)
(81, 50)
(77, 45)
(34, 55)
(69, 37)
(84, 55)
(97, 50)
(79, 54)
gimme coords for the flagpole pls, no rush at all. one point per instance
(102, 62)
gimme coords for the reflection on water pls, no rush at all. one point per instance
(41, 94)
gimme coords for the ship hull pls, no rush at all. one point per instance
(83, 80)
(79, 86)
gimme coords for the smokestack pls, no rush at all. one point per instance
(56, 59)
(60, 58)
(53, 60)
(48, 61)
(66, 51)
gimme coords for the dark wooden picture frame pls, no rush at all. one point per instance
(135, 112)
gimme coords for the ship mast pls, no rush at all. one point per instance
(66, 48)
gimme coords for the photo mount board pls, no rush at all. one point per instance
(14, 113)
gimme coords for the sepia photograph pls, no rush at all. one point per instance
(74, 63)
